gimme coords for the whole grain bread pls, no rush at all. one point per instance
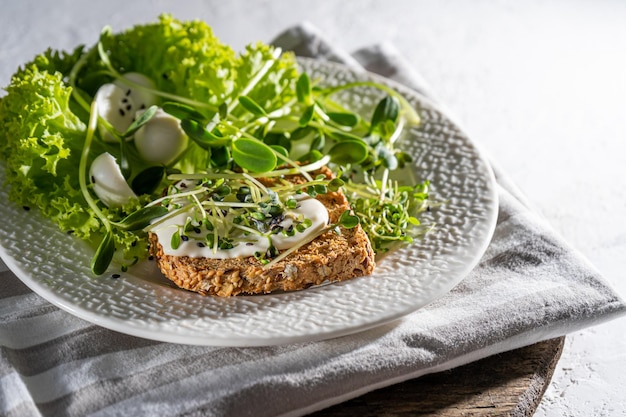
(328, 258)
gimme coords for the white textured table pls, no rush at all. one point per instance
(541, 86)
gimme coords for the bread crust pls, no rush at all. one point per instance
(328, 258)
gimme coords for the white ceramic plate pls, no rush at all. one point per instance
(142, 303)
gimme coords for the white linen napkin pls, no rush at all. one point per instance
(529, 286)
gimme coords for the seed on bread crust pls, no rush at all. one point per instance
(330, 257)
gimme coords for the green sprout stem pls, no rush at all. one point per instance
(234, 102)
(82, 167)
(300, 244)
(410, 112)
(383, 185)
(276, 173)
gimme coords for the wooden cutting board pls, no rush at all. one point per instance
(508, 384)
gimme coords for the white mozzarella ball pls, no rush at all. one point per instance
(118, 103)
(161, 140)
(140, 99)
(109, 98)
(108, 182)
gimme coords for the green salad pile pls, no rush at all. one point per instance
(249, 115)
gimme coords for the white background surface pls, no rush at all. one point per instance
(540, 85)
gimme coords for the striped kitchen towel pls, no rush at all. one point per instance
(528, 286)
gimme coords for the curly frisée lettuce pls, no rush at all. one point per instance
(40, 143)
(251, 113)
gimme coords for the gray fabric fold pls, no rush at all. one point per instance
(529, 286)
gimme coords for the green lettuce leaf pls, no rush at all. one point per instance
(40, 142)
(276, 88)
(182, 58)
(43, 126)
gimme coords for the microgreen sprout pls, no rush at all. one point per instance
(235, 208)
(388, 211)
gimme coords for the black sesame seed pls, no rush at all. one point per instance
(122, 113)
(115, 276)
(124, 100)
(197, 230)
(142, 107)
(200, 244)
(184, 238)
(134, 243)
(93, 179)
(26, 208)
(128, 92)
(428, 208)
(129, 107)
(151, 258)
(249, 244)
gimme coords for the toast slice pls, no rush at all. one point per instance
(329, 257)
